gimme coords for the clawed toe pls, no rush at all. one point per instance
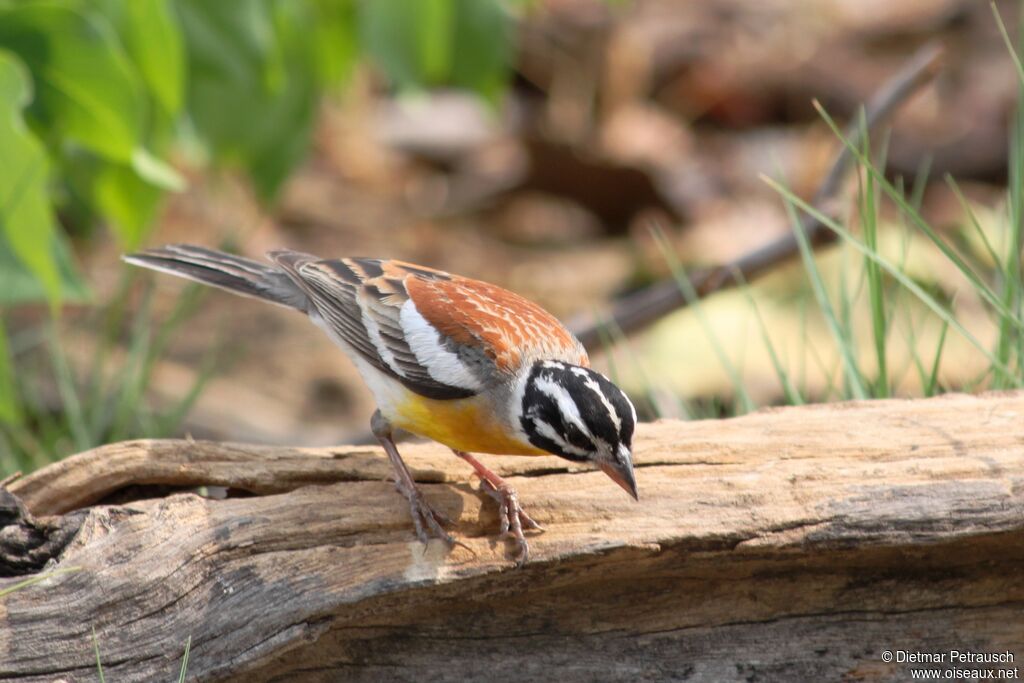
(429, 522)
(513, 518)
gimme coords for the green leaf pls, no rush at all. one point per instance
(388, 29)
(483, 47)
(156, 172)
(335, 44)
(434, 39)
(87, 90)
(253, 84)
(111, 192)
(154, 41)
(126, 201)
(26, 221)
(461, 43)
(19, 285)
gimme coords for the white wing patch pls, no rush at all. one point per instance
(373, 333)
(425, 342)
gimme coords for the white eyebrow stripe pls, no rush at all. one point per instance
(425, 343)
(566, 405)
(589, 382)
(550, 433)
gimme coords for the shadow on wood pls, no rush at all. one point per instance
(792, 544)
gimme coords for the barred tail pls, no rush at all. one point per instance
(226, 271)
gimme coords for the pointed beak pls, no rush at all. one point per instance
(621, 472)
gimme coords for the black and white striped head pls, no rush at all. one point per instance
(578, 414)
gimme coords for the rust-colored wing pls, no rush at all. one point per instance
(441, 335)
(509, 329)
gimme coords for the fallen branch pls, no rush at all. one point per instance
(639, 309)
(791, 544)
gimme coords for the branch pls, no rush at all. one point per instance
(759, 544)
(640, 309)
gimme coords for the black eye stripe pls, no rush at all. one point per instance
(576, 437)
(541, 441)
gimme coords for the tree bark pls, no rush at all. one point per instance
(791, 544)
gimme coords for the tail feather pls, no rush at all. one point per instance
(226, 271)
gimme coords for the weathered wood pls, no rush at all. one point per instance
(792, 544)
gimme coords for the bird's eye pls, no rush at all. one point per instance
(575, 436)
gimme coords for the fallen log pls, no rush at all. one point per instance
(790, 544)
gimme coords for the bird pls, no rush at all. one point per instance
(460, 361)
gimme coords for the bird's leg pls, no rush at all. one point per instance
(428, 521)
(513, 518)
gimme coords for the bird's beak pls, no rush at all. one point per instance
(621, 472)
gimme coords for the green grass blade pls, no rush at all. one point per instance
(11, 412)
(36, 579)
(1008, 41)
(1008, 340)
(900, 277)
(111, 319)
(132, 376)
(933, 377)
(1011, 341)
(973, 219)
(686, 287)
(915, 355)
(851, 372)
(186, 305)
(876, 291)
(619, 339)
(793, 396)
(66, 387)
(920, 183)
(36, 445)
(165, 425)
(980, 286)
(96, 649)
(184, 660)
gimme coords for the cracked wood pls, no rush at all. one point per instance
(792, 544)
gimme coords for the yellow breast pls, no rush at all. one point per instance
(467, 424)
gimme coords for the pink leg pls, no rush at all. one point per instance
(428, 522)
(513, 518)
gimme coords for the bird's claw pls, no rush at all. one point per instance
(513, 518)
(429, 522)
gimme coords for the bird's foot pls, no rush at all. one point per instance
(429, 522)
(514, 519)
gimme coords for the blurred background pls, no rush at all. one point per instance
(576, 151)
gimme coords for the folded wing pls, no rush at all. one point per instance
(441, 335)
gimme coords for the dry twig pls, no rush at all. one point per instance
(639, 309)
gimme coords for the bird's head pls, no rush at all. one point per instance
(580, 415)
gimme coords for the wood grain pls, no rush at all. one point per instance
(791, 544)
